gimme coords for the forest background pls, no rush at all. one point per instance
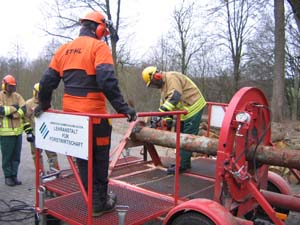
(222, 45)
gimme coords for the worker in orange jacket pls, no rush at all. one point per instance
(86, 67)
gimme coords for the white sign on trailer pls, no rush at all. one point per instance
(217, 115)
(62, 133)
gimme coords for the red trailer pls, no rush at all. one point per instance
(226, 189)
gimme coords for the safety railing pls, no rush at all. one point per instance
(88, 196)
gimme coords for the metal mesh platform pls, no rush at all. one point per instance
(66, 183)
(71, 208)
(63, 186)
(204, 166)
(157, 180)
(129, 169)
(201, 166)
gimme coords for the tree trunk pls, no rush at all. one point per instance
(113, 42)
(278, 80)
(236, 71)
(296, 97)
(264, 154)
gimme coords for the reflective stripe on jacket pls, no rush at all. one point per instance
(30, 105)
(180, 93)
(12, 122)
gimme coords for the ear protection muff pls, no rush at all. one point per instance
(35, 92)
(157, 76)
(3, 86)
(101, 31)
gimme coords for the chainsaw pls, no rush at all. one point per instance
(161, 123)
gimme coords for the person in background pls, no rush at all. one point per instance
(11, 129)
(86, 67)
(178, 92)
(29, 125)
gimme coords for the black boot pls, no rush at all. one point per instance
(9, 181)
(171, 169)
(108, 206)
(103, 202)
(17, 182)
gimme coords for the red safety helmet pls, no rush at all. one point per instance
(9, 79)
(97, 17)
(9, 83)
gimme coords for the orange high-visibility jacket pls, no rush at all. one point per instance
(86, 67)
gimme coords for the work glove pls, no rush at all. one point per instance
(131, 114)
(30, 137)
(37, 111)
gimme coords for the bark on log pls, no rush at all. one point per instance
(263, 154)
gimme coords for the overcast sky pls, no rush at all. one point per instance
(19, 21)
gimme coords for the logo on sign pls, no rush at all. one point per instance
(44, 130)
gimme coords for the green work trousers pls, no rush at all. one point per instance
(189, 126)
(11, 154)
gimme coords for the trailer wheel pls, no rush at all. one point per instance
(260, 214)
(273, 188)
(52, 220)
(192, 218)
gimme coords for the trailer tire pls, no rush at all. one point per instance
(260, 214)
(192, 218)
(52, 220)
(272, 187)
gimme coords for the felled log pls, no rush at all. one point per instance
(263, 154)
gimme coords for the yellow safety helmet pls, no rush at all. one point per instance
(147, 74)
(36, 89)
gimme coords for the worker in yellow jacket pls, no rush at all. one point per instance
(11, 129)
(29, 125)
(178, 92)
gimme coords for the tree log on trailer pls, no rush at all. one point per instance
(263, 154)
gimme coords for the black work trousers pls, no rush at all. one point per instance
(101, 147)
